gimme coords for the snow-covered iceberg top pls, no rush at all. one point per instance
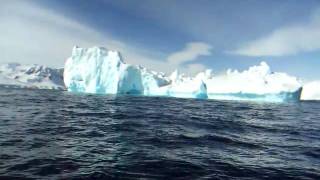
(98, 70)
(311, 91)
(31, 76)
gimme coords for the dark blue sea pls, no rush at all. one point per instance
(59, 135)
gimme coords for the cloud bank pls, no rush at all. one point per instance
(289, 40)
(32, 34)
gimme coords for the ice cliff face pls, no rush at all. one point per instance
(31, 76)
(98, 70)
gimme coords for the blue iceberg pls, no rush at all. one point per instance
(101, 71)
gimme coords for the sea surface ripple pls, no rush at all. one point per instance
(59, 135)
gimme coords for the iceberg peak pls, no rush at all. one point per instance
(174, 75)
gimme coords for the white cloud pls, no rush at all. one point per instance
(288, 40)
(193, 69)
(191, 52)
(33, 34)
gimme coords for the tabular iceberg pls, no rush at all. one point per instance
(98, 70)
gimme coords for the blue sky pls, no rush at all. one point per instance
(168, 34)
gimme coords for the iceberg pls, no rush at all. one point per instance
(258, 83)
(311, 91)
(97, 70)
(102, 71)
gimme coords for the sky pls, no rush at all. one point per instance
(169, 34)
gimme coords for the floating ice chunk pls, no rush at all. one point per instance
(188, 88)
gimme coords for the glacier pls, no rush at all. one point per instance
(31, 76)
(102, 71)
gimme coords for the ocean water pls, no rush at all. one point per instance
(59, 135)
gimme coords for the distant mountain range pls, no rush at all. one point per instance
(31, 76)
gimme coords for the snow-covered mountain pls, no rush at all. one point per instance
(31, 76)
